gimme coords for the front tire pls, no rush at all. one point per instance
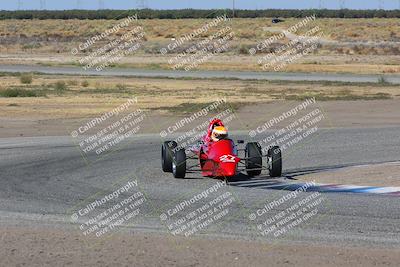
(167, 151)
(275, 161)
(179, 164)
(253, 155)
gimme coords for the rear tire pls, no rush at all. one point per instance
(167, 155)
(253, 154)
(275, 161)
(179, 164)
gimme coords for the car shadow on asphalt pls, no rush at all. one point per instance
(290, 179)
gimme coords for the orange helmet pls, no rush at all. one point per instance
(219, 133)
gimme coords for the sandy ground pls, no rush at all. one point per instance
(44, 246)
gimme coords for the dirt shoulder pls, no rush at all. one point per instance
(53, 247)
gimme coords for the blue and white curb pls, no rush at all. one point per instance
(323, 188)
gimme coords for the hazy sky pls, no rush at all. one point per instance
(203, 4)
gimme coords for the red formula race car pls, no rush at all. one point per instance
(217, 156)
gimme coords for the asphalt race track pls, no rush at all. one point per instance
(44, 179)
(361, 78)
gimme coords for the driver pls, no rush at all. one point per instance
(219, 133)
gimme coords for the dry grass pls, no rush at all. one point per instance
(68, 33)
(49, 42)
(376, 29)
(167, 95)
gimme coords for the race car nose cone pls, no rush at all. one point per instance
(227, 169)
(230, 173)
